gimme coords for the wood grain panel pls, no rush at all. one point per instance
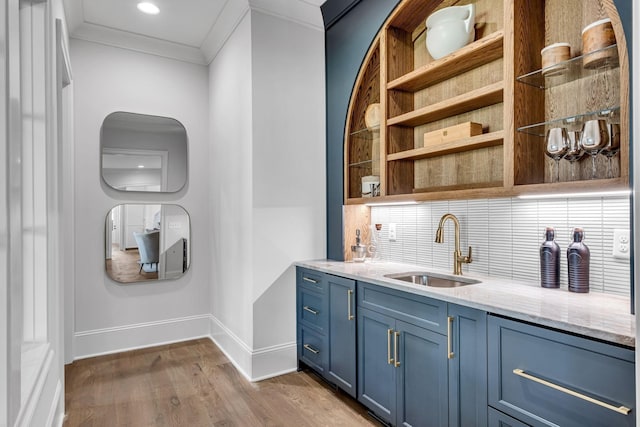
(469, 57)
(526, 39)
(355, 217)
(460, 145)
(478, 166)
(361, 145)
(410, 13)
(488, 95)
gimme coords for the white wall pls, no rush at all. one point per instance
(267, 185)
(111, 316)
(230, 191)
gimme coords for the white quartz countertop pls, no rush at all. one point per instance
(596, 315)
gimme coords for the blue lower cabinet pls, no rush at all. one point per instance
(341, 367)
(402, 371)
(544, 377)
(421, 378)
(467, 366)
(326, 326)
(427, 368)
(498, 419)
(376, 372)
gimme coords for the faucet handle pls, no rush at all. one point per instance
(468, 259)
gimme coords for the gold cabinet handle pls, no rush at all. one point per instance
(306, 279)
(389, 358)
(349, 315)
(619, 409)
(450, 354)
(311, 349)
(396, 338)
(310, 310)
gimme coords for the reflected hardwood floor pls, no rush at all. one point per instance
(123, 266)
(193, 384)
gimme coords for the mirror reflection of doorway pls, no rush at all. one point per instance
(147, 242)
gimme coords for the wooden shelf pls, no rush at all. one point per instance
(467, 58)
(479, 98)
(458, 146)
(471, 186)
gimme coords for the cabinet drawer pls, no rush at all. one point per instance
(312, 349)
(311, 279)
(545, 377)
(312, 310)
(415, 309)
(498, 419)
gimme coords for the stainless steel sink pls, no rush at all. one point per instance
(432, 279)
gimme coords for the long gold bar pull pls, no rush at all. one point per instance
(619, 409)
(396, 338)
(389, 358)
(349, 315)
(450, 354)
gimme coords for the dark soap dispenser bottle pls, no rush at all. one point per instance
(549, 261)
(578, 263)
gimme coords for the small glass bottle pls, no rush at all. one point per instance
(549, 261)
(578, 263)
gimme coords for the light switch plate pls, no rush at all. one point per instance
(621, 244)
(392, 232)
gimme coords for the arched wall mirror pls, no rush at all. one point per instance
(143, 153)
(146, 242)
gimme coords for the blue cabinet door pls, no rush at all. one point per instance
(341, 368)
(421, 376)
(467, 366)
(376, 372)
(545, 377)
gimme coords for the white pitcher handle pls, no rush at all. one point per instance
(470, 21)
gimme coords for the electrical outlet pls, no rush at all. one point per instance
(621, 244)
(392, 232)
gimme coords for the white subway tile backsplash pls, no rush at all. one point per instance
(506, 234)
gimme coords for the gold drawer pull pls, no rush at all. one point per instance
(349, 315)
(619, 409)
(396, 337)
(310, 310)
(311, 349)
(389, 358)
(450, 354)
(306, 279)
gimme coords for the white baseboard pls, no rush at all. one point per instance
(255, 365)
(131, 337)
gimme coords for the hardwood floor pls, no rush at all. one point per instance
(193, 384)
(124, 267)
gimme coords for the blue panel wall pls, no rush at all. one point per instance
(347, 40)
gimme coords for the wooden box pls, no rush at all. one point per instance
(452, 133)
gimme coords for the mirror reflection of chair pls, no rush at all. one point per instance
(149, 248)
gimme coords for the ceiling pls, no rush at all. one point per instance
(188, 30)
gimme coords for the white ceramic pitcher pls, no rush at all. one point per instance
(449, 29)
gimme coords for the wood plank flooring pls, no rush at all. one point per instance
(193, 384)
(123, 266)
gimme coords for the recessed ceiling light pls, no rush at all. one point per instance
(149, 8)
(140, 166)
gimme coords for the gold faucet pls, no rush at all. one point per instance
(458, 259)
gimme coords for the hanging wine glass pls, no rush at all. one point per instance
(575, 151)
(557, 146)
(612, 148)
(595, 137)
